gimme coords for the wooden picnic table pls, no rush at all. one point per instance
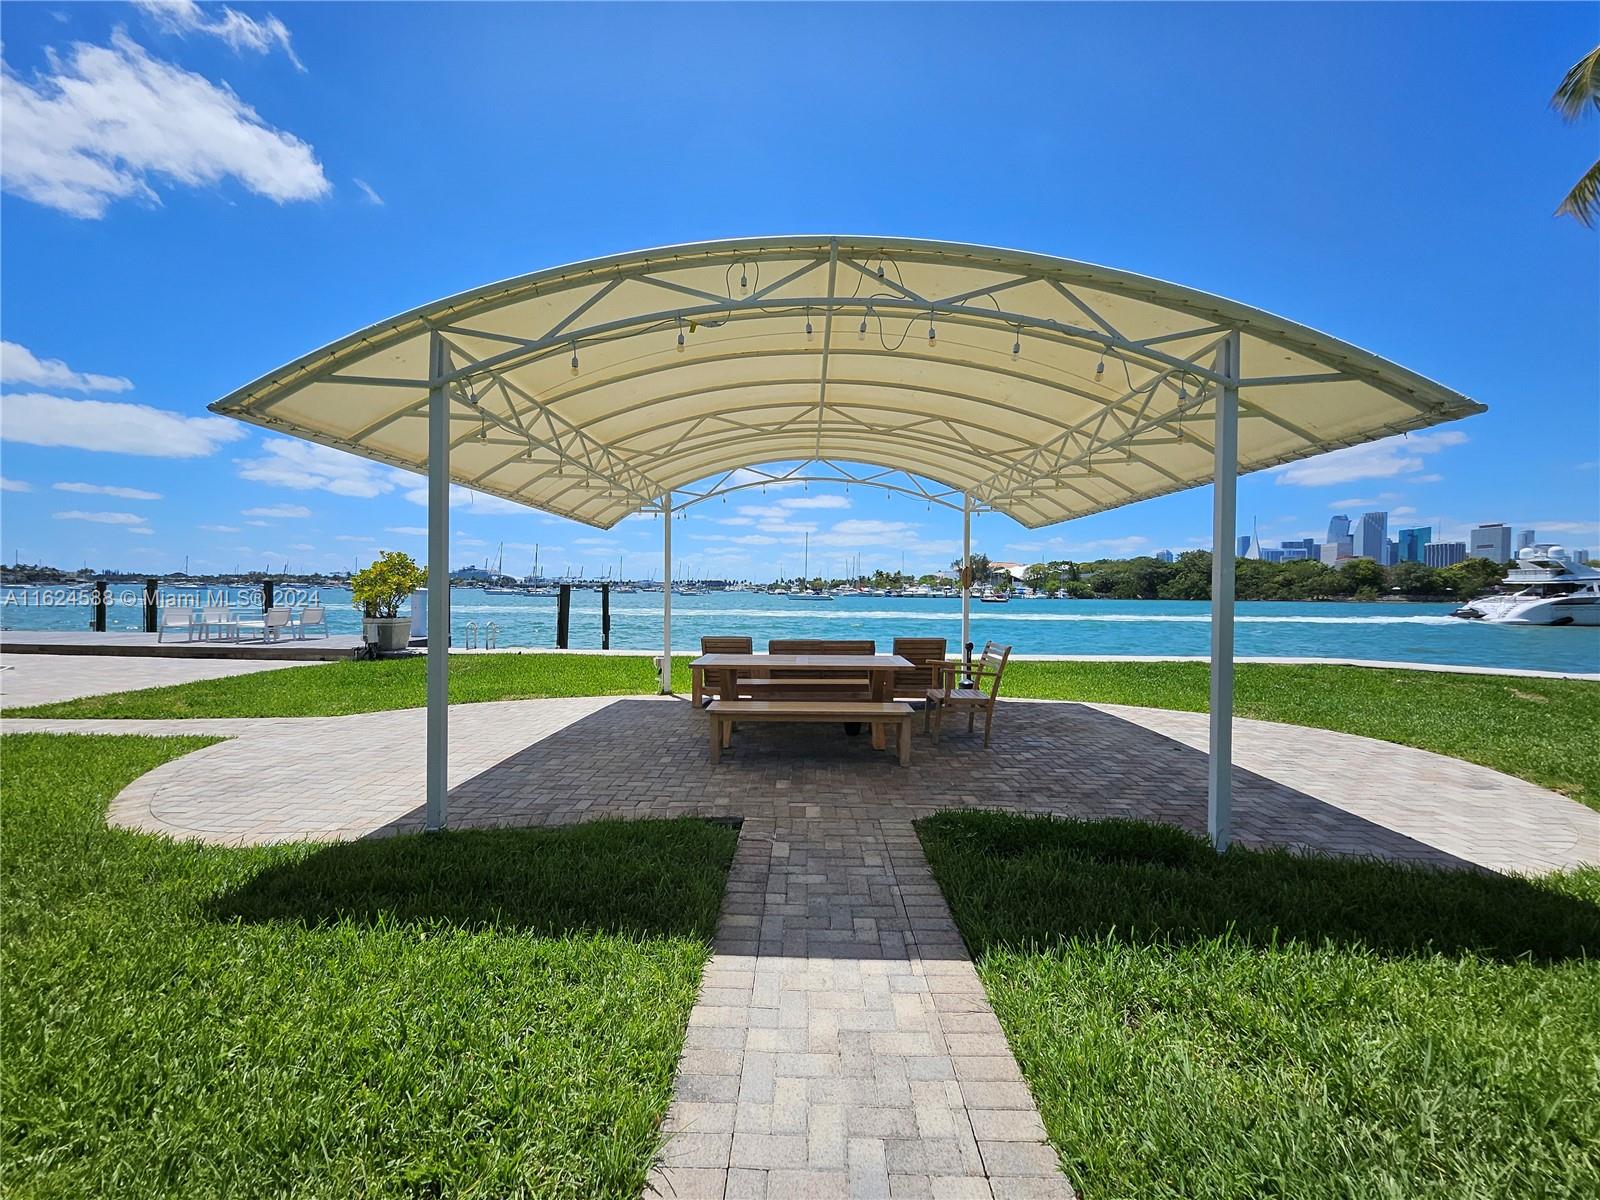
(722, 673)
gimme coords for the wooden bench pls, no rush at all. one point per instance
(722, 714)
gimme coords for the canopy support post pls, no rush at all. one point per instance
(438, 583)
(966, 579)
(666, 595)
(1219, 780)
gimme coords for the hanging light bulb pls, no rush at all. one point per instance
(861, 334)
(574, 358)
(932, 336)
(1016, 346)
(880, 268)
(808, 324)
(1100, 370)
(1183, 393)
(744, 280)
(680, 335)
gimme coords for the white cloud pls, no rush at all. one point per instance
(220, 528)
(284, 511)
(307, 466)
(1385, 459)
(133, 522)
(18, 364)
(108, 121)
(371, 195)
(461, 497)
(1405, 510)
(301, 546)
(1588, 529)
(407, 530)
(1362, 502)
(105, 489)
(260, 524)
(352, 537)
(111, 425)
(824, 501)
(1066, 548)
(237, 30)
(14, 485)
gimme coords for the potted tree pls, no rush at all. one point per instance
(378, 590)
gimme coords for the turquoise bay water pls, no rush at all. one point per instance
(1391, 632)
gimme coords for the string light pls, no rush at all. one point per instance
(1100, 370)
(744, 280)
(1016, 346)
(680, 335)
(808, 324)
(574, 358)
(932, 336)
(861, 334)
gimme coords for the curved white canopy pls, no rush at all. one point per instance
(1042, 387)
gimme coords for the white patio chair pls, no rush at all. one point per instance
(174, 619)
(313, 617)
(271, 625)
(224, 620)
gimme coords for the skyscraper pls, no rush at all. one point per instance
(1244, 545)
(1412, 541)
(1526, 538)
(1300, 548)
(1338, 529)
(1443, 554)
(1492, 542)
(1372, 536)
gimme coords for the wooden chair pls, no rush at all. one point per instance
(928, 656)
(715, 645)
(985, 690)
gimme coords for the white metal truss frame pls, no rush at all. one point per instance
(1040, 433)
(820, 471)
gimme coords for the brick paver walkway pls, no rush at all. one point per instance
(842, 1044)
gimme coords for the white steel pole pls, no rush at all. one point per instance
(966, 574)
(666, 595)
(438, 584)
(1219, 782)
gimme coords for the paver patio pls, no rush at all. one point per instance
(842, 1044)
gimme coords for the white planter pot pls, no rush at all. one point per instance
(387, 633)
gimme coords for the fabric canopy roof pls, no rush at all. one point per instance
(1044, 388)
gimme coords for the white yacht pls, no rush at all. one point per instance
(1545, 587)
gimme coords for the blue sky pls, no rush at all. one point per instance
(197, 194)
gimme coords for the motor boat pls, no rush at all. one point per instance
(809, 595)
(1545, 587)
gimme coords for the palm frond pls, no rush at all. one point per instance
(1583, 201)
(1580, 88)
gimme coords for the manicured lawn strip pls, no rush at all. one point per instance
(337, 689)
(1265, 1025)
(477, 1014)
(1542, 730)
(1535, 729)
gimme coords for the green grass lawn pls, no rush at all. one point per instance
(1542, 730)
(476, 1014)
(1259, 1024)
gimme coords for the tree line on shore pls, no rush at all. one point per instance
(1188, 577)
